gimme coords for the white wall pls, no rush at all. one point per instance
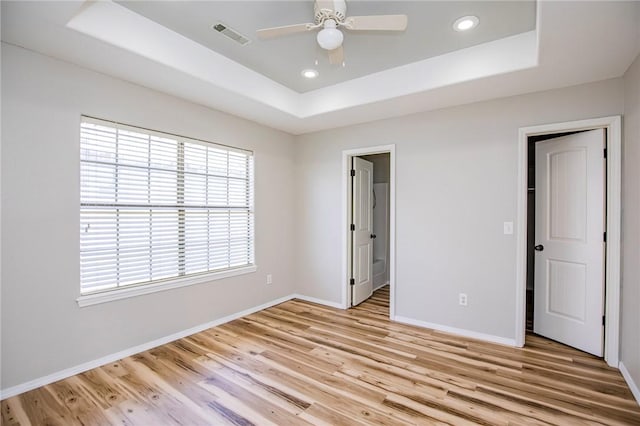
(630, 336)
(456, 185)
(43, 329)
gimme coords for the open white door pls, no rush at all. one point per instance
(362, 231)
(570, 223)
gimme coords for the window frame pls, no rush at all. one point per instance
(89, 298)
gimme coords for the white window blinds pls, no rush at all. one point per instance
(156, 207)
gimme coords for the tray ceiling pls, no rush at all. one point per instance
(429, 33)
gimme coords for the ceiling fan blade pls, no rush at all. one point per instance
(336, 56)
(280, 31)
(376, 23)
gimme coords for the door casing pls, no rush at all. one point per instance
(612, 125)
(347, 155)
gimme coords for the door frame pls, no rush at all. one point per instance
(346, 214)
(612, 125)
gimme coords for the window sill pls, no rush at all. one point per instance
(134, 291)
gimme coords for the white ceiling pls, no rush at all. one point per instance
(572, 43)
(429, 33)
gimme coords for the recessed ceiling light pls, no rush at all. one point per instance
(309, 73)
(466, 23)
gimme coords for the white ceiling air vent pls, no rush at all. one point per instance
(232, 34)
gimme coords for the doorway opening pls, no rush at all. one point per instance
(545, 287)
(566, 242)
(380, 193)
(369, 227)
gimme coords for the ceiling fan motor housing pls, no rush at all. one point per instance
(329, 9)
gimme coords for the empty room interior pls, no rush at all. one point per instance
(320, 212)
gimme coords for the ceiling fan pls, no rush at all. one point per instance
(330, 16)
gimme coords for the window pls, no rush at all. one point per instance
(157, 207)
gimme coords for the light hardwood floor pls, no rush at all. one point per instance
(301, 363)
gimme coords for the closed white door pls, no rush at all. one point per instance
(570, 224)
(362, 231)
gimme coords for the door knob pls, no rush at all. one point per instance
(539, 247)
(373, 235)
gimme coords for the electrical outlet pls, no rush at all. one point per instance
(462, 299)
(269, 279)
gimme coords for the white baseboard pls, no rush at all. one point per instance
(319, 301)
(635, 390)
(458, 331)
(381, 285)
(50, 378)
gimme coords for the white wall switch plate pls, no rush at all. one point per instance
(508, 228)
(269, 279)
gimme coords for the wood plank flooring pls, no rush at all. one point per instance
(300, 363)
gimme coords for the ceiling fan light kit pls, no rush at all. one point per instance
(330, 15)
(330, 37)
